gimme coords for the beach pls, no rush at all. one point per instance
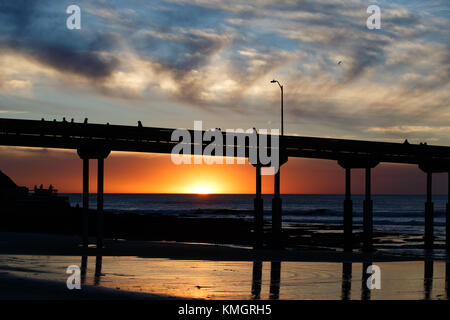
(207, 253)
(33, 266)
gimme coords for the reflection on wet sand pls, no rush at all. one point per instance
(346, 280)
(428, 279)
(275, 273)
(256, 280)
(206, 279)
(84, 260)
(275, 277)
(98, 270)
(365, 291)
(447, 280)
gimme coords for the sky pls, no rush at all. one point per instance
(168, 63)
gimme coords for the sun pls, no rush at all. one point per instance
(202, 190)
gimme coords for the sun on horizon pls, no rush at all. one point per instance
(202, 189)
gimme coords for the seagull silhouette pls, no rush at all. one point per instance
(340, 62)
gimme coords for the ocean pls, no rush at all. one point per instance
(391, 213)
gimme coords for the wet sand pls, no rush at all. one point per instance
(43, 277)
(24, 287)
(33, 266)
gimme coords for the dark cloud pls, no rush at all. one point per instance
(364, 55)
(215, 54)
(180, 51)
(29, 27)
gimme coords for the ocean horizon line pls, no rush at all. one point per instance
(298, 194)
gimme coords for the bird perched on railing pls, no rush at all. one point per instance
(85, 120)
(139, 124)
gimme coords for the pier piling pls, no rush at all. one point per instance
(429, 209)
(447, 217)
(368, 215)
(100, 203)
(99, 152)
(276, 212)
(348, 212)
(259, 211)
(85, 240)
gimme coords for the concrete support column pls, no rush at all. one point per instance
(276, 212)
(368, 215)
(348, 212)
(259, 211)
(429, 208)
(447, 217)
(100, 203)
(99, 152)
(85, 219)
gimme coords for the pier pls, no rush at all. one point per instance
(97, 141)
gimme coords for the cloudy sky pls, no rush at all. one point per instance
(168, 63)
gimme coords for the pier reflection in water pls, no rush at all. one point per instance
(365, 290)
(258, 283)
(447, 280)
(256, 280)
(243, 279)
(428, 279)
(346, 280)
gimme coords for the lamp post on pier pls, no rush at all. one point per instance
(276, 202)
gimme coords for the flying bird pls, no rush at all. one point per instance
(339, 63)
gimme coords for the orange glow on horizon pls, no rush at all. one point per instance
(155, 173)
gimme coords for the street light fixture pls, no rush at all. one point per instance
(282, 120)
